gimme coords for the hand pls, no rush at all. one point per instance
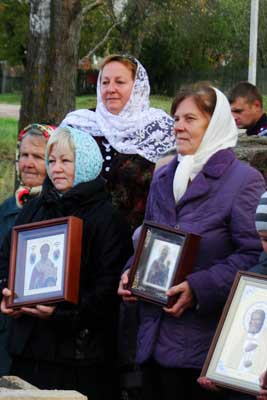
(8, 311)
(185, 300)
(263, 384)
(206, 383)
(39, 311)
(126, 294)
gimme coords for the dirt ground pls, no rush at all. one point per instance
(9, 111)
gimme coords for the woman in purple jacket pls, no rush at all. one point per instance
(207, 191)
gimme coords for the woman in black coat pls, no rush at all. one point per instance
(66, 346)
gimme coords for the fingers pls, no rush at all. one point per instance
(7, 310)
(174, 290)
(206, 383)
(40, 311)
(184, 301)
(122, 291)
(263, 380)
(176, 310)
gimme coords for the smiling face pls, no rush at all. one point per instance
(32, 160)
(190, 125)
(61, 167)
(116, 86)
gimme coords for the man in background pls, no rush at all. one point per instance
(247, 109)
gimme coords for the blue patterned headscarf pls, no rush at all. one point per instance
(88, 157)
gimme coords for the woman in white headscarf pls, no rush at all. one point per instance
(132, 136)
(207, 191)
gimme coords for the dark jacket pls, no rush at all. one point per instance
(260, 128)
(83, 333)
(261, 267)
(8, 214)
(220, 206)
(128, 180)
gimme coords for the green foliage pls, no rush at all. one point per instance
(14, 18)
(173, 38)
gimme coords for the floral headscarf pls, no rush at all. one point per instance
(137, 129)
(23, 192)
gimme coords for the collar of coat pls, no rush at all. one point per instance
(215, 166)
(214, 169)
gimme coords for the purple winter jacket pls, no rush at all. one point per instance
(220, 205)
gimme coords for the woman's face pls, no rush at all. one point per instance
(190, 125)
(61, 167)
(32, 160)
(116, 86)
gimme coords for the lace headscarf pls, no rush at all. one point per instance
(137, 129)
(221, 134)
(23, 192)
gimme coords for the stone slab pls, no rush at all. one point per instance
(6, 394)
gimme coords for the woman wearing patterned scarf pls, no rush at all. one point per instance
(30, 168)
(30, 165)
(132, 136)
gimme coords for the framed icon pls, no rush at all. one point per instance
(238, 353)
(163, 258)
(45, 262)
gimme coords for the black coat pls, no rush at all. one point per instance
(84, 333)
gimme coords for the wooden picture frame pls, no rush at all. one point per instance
(45, 262)
(163, 258)
(238, 353)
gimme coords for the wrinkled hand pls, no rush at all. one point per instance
(126, 294)
(263, 384)
(185, 300)
(206, 383)
(8, 311)
(39, 311)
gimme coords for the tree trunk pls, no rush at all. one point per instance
(50, 81)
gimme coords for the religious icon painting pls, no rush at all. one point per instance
(45, 262)
(238, 352)
(163, 258)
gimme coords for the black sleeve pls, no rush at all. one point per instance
(107, 245)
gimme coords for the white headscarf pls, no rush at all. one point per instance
(137, 129)
(221, 134)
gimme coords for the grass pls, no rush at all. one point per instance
(8, 129)
(10, 98)
(89, 101)
(162, 102)
(9, 132)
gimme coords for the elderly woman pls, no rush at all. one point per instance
(30, 165)
(131, 135)
(30, 168)
(66, 346)
(206, 190)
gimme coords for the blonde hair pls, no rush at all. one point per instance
(62, 137)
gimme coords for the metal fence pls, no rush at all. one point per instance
(223, 78)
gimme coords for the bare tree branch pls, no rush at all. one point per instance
(105, 38)
(91, 6)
